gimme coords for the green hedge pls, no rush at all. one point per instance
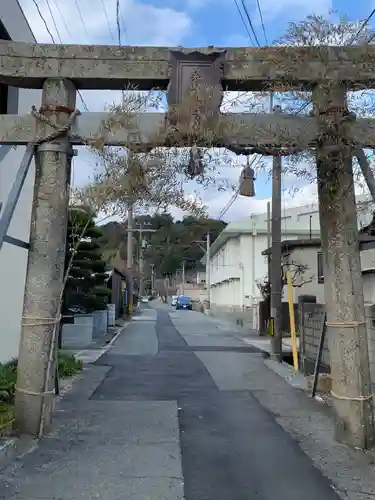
(68, 366)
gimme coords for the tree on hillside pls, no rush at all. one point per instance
(171, 243)
(85, 284)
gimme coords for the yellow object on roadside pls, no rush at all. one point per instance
(271, 327)
(292, 320)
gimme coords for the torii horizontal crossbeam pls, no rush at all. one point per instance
(242, 130)
(245, 68)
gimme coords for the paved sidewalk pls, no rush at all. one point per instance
(181, 408)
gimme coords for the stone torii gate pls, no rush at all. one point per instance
(52, 131)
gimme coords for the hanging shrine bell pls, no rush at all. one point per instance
(247, 179)
(195, 166)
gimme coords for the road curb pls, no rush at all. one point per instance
(120, 330)
(90, 356)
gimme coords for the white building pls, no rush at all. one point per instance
(13, 256)
(236, 261)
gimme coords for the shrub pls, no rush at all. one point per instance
(8, 379)
(69, 365)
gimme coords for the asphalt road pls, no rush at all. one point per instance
(168, 413)
(231, 448)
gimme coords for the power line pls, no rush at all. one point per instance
(124, 26)
(250, 22)
(244, 22)
(262, 22)
(362, 27)
(82, 20)
(53, 20)
(44, 21)
(228, 205)
(63, 18)
(107, 20)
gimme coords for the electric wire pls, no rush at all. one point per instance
(44, 21)
(107, 20)
(362, 27)
(53, 20)
(244, 22)
(82, 20)
(250, 22)
(124, 25)
(262, 22)
(63, 18)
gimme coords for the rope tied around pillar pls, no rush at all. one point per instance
(59, 130)
(351, 398)
(345, 324)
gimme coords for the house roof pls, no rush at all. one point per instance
(365, 242)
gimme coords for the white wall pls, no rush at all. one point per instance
(234, 287)
(309, 280)
(306, 283)
(369, 288)
(13, 259)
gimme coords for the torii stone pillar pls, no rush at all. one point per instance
(45, 268)
(343, 289)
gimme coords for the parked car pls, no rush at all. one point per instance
(174, 300)
(144, 300)
(184, 302)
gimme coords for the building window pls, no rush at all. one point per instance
(320, 268)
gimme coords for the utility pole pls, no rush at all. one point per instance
(208, 268)
(141, 260)
(129, 257)
(152, 279)
(276, 282)
(269, 254)
(142, 230)
(45, 268)
(183, 277)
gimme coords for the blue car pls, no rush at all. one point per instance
(184, 302)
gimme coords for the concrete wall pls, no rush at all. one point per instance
(310, 328)
(310, 333)
(13, 259)
(235, 315)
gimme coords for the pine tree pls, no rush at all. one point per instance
(85, 287)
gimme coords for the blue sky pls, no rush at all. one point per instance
(180, 22)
